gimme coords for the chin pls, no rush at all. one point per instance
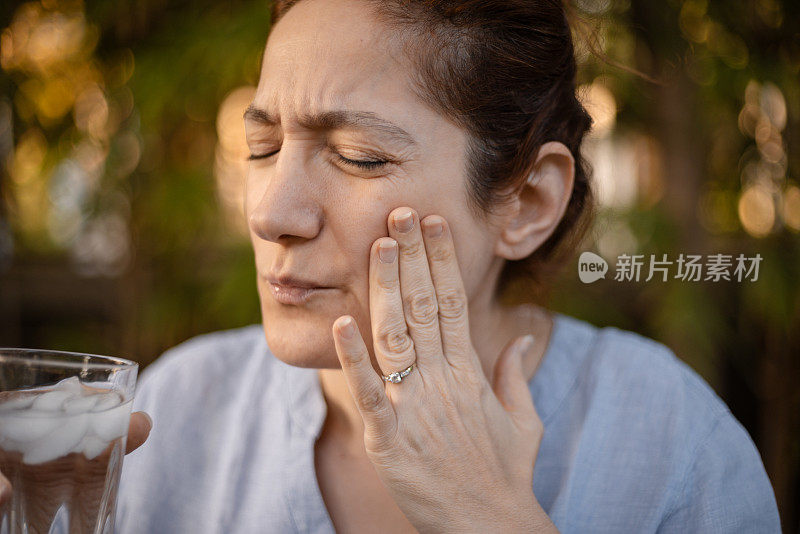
(301, 343)
(302, 335)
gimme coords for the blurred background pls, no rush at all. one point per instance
(122, 158)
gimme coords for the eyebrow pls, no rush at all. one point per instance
(336, 119)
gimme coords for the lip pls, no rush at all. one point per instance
(290, 290)
(291, 281)
(294, 295)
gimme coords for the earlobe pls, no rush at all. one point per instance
(540, 204)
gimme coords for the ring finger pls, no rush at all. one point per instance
(394, 348)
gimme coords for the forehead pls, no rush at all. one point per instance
(331, 54)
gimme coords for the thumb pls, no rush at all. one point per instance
(138, 430)
(509, 383)
(5, 489)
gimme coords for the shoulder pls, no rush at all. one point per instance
(725, 487)
(641, 384)
(644, 412)
(625, 369)
(603, 378)
(636, 382)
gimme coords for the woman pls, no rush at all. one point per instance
(409, 159)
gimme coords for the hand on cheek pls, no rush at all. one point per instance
(455, 452)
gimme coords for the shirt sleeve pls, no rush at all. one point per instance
(726, 488)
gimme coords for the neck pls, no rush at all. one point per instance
(492, 327)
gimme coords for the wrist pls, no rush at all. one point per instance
(536, 520)
(511, 516)
(525, 516)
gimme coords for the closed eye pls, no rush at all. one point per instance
(261, 156)
(362, 164)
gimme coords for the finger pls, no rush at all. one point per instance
(416, 288)
(451, 297)
(366, 387)
(138, 431)
(509, 382)
(5, 489)
(394, 348)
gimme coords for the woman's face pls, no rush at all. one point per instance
(332, 87)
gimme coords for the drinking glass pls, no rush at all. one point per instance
(64, 420)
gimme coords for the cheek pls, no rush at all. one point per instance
(474, 249)
(360, 214)
(365, 217)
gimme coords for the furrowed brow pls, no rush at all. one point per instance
(337, 119)
(255, 114)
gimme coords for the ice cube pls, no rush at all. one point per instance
(112, 423)
(26, 428)
(71, 384)
(8, 444)
(19, 402)
(80, 404)
(52, 400)
(107, 401)
(92, 446)
(60, 443)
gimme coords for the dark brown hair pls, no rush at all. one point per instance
(504, 70)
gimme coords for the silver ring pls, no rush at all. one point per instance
(396, 378)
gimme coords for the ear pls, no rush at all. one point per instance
(540, 204)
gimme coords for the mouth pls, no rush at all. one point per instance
(292, 290)
(294, 295)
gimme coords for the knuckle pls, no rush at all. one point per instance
(417, 444)
(388, 282)
(533, 424)
(412, 248)
(473, 379)
(350, 359)
(371, 399)
(374, 443)
(422, 307)
(441, 254)
(382, 441)
(452, 305)
(395, 340)
(536, 424)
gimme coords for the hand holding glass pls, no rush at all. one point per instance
(64, 420)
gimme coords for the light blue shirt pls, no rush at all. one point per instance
(635, 441)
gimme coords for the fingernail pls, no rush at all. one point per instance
(433, 228)
(347, 328)
(404, 222)
(387, 251)
(525, 343)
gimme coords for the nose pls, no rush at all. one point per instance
(284, 202)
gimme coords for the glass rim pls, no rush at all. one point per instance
(50, 357)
